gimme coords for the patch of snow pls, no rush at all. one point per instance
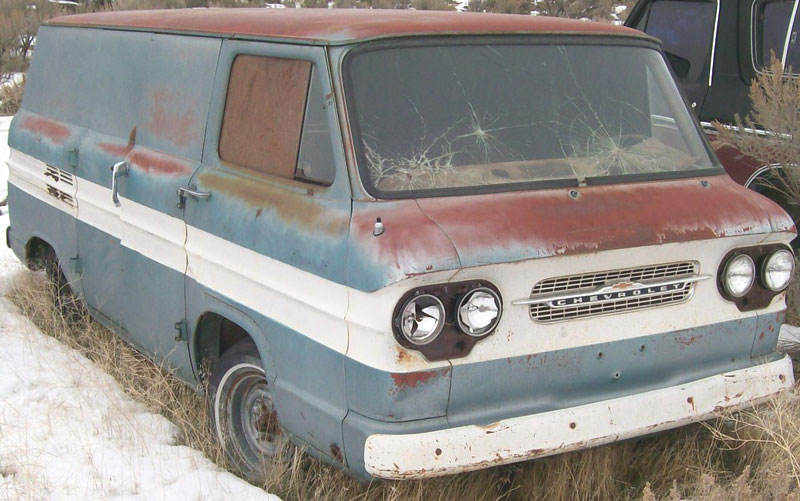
(68, 432)
(5, 122)
(789, 339)
(619, 9)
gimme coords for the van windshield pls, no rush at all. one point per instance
(496, 116)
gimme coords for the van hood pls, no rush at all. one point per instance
(437, 234)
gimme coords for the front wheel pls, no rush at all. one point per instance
(242, 413)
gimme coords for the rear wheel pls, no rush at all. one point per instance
(61, 292)
(242, 411)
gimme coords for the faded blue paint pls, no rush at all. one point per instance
(485, 392)
(308, 385)
(50, 225)
(564, 378)
(384, 396)
(301, 224)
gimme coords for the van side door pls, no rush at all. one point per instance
(268, 222)
(149, 114)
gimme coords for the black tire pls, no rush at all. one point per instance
(64, 299)
(242, 412)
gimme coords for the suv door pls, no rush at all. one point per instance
(687, 30)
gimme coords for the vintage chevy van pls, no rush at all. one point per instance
(423, 243)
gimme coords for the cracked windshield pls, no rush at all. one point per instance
(474, 115)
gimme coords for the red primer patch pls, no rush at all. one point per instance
(412, 379)
(115, 149)
(50, 129)
(168, 120)
(159, 164)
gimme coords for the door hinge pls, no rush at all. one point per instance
(182, 334)
(73, 158)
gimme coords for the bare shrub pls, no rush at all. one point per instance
(11, 97)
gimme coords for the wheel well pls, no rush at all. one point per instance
(215, 334)
(35, 252)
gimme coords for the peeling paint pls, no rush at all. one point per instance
(295, 209)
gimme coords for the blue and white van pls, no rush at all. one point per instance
(415, 243)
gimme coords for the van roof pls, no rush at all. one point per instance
(333, 26)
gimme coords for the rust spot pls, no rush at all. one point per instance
(690, 401)
(403, 356)
(52, 130)
(336, 452)
(285, 204)
(572, 426)
(761, 336)
(171, 117)
(782, 377)
(690, 340)
(412, 379)
(258, 212)
(438, 452)
(429, 267)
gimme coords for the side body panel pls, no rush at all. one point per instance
(277, 249)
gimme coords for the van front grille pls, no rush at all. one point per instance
(544, 312)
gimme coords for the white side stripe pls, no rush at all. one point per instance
(302, 301)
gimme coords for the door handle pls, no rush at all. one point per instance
(117, 170)
(191, 191)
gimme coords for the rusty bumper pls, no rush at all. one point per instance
(466, 448)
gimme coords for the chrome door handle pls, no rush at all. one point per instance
(191, 191)
(117, 170)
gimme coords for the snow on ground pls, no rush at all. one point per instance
(67, 431)
(4, 123)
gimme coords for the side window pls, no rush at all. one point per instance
(770, 23)
(686, 29)
(274, 120)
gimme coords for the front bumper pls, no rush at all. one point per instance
(472, 447)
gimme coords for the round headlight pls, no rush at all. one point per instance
(422, 319)
(479, 311)
(738, 275)
(778, 270)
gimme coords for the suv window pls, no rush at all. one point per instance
(685, 29)
(263, 124)
(771, 21)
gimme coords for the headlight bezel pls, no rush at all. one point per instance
(759, 296)
(451, 342)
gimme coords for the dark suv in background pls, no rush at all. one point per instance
(716, 48)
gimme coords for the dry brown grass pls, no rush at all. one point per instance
(746, 456)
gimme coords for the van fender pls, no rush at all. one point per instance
(224, 309)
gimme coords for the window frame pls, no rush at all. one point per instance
(377, 194)
(761, 70)
(339, 186)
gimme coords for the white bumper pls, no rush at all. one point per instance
(472, 447)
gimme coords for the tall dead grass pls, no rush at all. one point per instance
(746, 456)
